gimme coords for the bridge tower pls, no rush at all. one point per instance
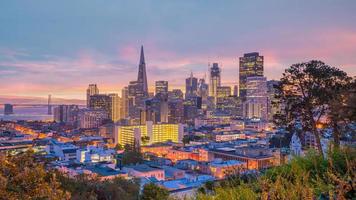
(49, 105)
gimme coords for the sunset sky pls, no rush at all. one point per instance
(59, 47)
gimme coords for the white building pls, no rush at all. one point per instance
(64, 151)
(94, 154)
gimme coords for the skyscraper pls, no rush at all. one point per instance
(203, 89)
(256, 103)
(67, 114)
(191, 86)
(215, 80)
(138, 92)
(92, 90)
(142, 76)
(161, 87)
(124, 113)
(8, 109)
(115, 106)
(251, 64)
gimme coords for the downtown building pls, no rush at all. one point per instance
(110, 103)
(137, 92)
(132, 135)
(251, 65)
(256, 104)
(92, 90)
(67, 114)
(8, 109)
(89, 118)
(215, 81)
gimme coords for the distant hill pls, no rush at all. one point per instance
(38, 100)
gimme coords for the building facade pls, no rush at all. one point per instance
(251, 64)
(155, 132)
(215, 80)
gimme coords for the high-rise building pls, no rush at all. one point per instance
(274, 106)
(8, 109)
(92, 90)
(203, 89)
(67, 114)
(215, 80)
(142, 76)
(175, 111)
(191, 86)
(138, 92)
(175, 94)
(91, 118)
(162, 87)
(124, 113)
(256, 103)
(155, 132)
(115, 107)
(236, 90)
(109, 103)
(251, 64)
(223, 91)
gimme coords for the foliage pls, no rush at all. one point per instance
(21, 177)
(131, 155)
(118, 147)
(83, 187)
(145, 140)
(154, 192)
(186, 139)
(306, 91)
(310, 177)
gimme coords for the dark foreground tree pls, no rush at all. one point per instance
(306, 91)
(132, 155)
(154, 192)
(84, 187)
(21, 177)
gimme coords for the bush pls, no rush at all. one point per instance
(309, 177)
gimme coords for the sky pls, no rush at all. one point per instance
(59, 47)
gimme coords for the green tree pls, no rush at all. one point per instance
(118, 147)
(21, 177)
(186, 139)
(85, 187)
(131, 155)
(145, 140)
(154, 192)
(306, 90)
(342, 109)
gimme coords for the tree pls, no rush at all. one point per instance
(118, 147)
(305, 91)
(87, 187)
(21, 177)
(153, 192)
(145, 140)
(342, 109)
(186, 139)
(131, 155)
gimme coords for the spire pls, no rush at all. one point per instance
(142, 56)
(142, 76)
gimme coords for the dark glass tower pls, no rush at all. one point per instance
(251, 64)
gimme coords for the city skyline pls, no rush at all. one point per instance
(44, 51)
